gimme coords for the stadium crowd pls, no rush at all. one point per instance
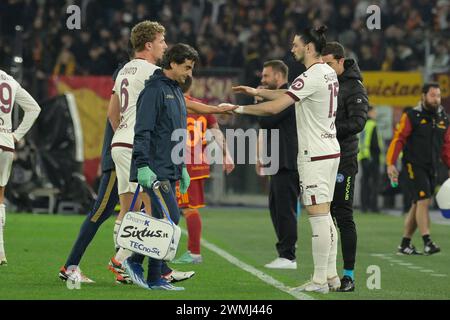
(225, 32)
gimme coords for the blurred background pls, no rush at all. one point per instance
(69, 74)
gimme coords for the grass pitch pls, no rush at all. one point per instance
(37, 245)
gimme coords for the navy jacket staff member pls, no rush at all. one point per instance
(351, 118)
(161, 110)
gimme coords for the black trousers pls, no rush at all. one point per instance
(283, 195)
(342, 209)
(369, 185)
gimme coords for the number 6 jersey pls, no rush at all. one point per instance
(11, 92)
(129, 83)
(315, 92)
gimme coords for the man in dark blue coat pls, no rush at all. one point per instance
(161, 110)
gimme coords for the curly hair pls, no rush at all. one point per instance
(143, 32)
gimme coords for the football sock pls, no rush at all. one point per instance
(154, 270)
(321, 246)
(115, 232)
(122, 254)
(405, 242)
(331, 271)
(426, 239)
(136, 258)
(349, 273)
(194, 228)
(2, 225)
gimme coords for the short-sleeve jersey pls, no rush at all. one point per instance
(196, 161)
(315, 92)
(129, 83)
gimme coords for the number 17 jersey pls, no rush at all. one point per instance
(315, 92)
(129, 83)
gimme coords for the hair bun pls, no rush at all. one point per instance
(321, 30)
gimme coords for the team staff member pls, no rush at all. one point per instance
(350, 120)
(284, 187)
(423, 135)
(161, 110)
(198, 169)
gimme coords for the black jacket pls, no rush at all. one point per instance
(353, 105)
(160, 110)
(288, 143)
(424, 138)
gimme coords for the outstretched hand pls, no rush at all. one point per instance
(226, 108)
(245, 90)
(237, 109)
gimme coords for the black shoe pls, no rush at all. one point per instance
(409, 250)
(431, 248)
(347, 284)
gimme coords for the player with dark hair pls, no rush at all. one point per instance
(351, 118)
(161, 110)
(423, 135)
(314, 93)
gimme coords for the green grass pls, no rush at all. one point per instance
(37, 245)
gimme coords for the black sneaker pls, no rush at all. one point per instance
(409, 250)
(431, 248)
(347, 284)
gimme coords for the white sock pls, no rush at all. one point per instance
(122, 254)
(321, 245)
(332, 272)
(115, 232)
(2, 225)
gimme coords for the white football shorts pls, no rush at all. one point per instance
(6, 160)
(122, 160)
(317, 180)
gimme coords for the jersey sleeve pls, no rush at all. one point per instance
(302, 87)
(211, 119)
(402, 132)
(31, 110)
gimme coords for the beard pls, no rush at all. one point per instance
(431, 106)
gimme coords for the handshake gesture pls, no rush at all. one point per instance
(240, 89)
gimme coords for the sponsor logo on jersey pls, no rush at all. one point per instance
(327, 136)
(170, 96)
(340, 178)
(314, 186)
(298, 84)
